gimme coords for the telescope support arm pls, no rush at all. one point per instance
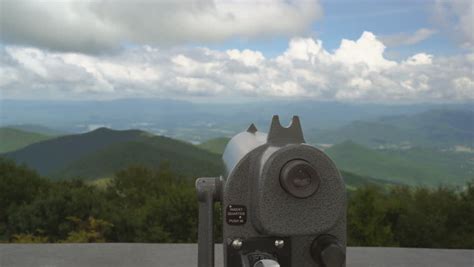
(208, 191)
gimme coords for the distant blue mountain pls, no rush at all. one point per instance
(433, 128)
(194, 121)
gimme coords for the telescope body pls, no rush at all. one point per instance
(283, 201)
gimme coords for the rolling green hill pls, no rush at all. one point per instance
(50, 156)
(434, 128)
(12, 139)
(353, 181)
(35, 128)
(101, 152)
(184, 158)
(215, 145)
(414, 166)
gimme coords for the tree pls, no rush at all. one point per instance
(18, 186)
(49, 211)
(88, 231)
(368, 224)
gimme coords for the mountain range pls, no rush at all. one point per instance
(428, 148)
(433, 128)
(98, 154)
(199, 121)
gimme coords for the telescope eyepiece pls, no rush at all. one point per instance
(299, 179)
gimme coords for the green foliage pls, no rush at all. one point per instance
(49, 210)
(412, 217)
(89, 231)
(367, 224)
(28, 239)
(151, 206)
(18, 186)
(18, 183)
(12, 139)
(140, 204)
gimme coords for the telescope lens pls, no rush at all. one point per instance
(302, 179)
(299, 178)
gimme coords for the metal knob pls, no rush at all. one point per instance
(266, 263)
(327, 252)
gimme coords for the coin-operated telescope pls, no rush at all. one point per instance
(283, 201)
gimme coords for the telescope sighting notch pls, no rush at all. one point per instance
(293, 134)
(252, 128)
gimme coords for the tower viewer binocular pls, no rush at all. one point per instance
(283, 203)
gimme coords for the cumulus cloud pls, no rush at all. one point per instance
(457, 18)
(400, 39)
(419, 59)
(356, 71)
(367, 50)
(101, 25)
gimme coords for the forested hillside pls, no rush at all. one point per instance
(12, 139)
(102, 152)
(414, 166)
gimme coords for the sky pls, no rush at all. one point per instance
(350, 51)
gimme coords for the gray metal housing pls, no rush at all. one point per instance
(253, 161)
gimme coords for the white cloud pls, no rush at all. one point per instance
(360, 83)
(463, 83)
(419, 59)
(247, 57)
(408, 39)
(101, 25)
(366, 51)
(457, 18)
(304, 50)
(356, 71)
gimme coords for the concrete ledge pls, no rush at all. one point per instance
(185, 255)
